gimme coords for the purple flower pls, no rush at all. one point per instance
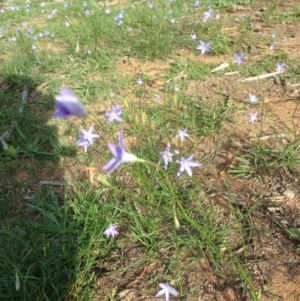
(167, 290)
(252, 98)
(87, 138)
(239, 58)
(253, 117)
(167, 155)
(120, 155)
(280, 68)
(119, 22)
(186, 164)
(207, 15)
(157, 96)
(114, 114)
(181, 134)
(194, 36)
(68, 104)
(111, 231)
(203, 47)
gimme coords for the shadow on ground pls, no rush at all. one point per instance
(39, 253)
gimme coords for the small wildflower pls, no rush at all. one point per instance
(150, 5)
(68, 104)
(111, 231)
(203, 47)
(33, 47)
(129, 29)
(239, 58)
(274, 35)
(252, 117)
(157, 96)
(89, 51)
(280, 68)
(120, 155)
(181, 134)
(120, 22)
(194, 36)
(67, 24)
(167, 290)
(87, 138)
(218, 16)
(114, 114)
(107, 11)
(271, 47)
(207, 15)
(139, 82)
(252, 98)
(186, 164)
(167, 155)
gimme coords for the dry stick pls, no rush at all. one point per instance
(7, 134)
(250, 79)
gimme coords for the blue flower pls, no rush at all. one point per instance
(186, 164)
(114, 114)
(167, 290)
(120, 155)
(68, 104)
(203, 47)
(239, 58)
(111, 231)
(87, 138)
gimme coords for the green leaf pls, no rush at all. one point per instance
(12, 151)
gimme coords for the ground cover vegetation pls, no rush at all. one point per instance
(149, 150)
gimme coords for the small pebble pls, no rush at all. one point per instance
(289, 193)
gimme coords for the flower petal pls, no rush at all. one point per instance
(128, 158)
(112, 164)
(121, 139)
(115, 150)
